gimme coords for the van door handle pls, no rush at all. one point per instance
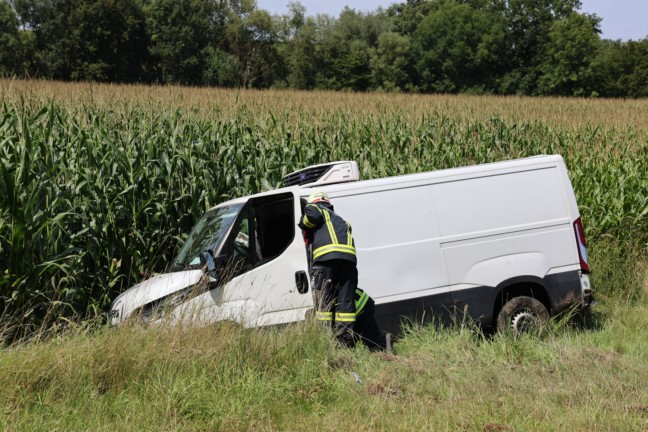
(301, 280)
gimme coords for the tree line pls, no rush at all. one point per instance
(526, 47)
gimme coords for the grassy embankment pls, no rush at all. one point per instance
(224, 378)
(185, 149)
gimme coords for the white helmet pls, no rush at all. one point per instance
(318, 196)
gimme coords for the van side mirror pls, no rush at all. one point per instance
(207, 260)
(211, 262)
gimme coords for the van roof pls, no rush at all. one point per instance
(405, 179)
(450, 173)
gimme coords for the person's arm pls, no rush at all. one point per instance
(312, 218)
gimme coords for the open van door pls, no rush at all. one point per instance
(268, 262)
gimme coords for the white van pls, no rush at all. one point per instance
(501, 243)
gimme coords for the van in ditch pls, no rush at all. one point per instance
(501, 243)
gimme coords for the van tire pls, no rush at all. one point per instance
(520, 314)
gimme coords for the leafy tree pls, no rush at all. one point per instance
(345, 64)
(355, 67)
(87, 39)
(251, 36)
(302, 56)
(570, 67)
(332, 47)
(345, 50)
(635, 83)
(459, 48)
(354, 25)
(297, 15)
(11, 46)
(56, 45)
(529, 23)
(407, 16)
(181, 31)
(221, 69)
(391, 62)
(614, 64)
(112, 40)
(624, 68)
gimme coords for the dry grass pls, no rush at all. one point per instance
(569, 113)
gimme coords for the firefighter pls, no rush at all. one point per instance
(334, 275)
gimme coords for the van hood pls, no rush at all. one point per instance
(150, 290)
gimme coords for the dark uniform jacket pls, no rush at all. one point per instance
(328, 233)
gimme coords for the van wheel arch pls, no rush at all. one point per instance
(530, 286)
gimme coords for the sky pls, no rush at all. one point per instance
(622, 19)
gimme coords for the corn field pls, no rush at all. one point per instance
(100, 185)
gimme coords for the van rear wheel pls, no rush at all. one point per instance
(521, 314)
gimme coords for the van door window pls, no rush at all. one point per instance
(241, 259)
(274, 226)
(264, 230)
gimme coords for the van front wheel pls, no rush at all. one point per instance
(521, 314)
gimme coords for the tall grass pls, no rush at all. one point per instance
(227, 378)
(100, 184)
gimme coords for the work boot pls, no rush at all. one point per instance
(346, 340)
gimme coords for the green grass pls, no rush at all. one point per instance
(581, 372)
(295, 378)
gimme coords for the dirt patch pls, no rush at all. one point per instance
(640, 410)
(343, 362)
(602, 356)
(376, 388)
(385, 356)
(495, 427)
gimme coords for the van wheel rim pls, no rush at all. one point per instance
(523, 320)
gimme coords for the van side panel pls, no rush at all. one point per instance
(501, 227)
(397, 240)
(488, 205)
(451, 241)
(488, 221)
(488, 261)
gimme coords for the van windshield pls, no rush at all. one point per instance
(206, 236)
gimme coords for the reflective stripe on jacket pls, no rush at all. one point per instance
(330, 235)
(361, 299)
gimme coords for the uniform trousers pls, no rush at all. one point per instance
(334, 283)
